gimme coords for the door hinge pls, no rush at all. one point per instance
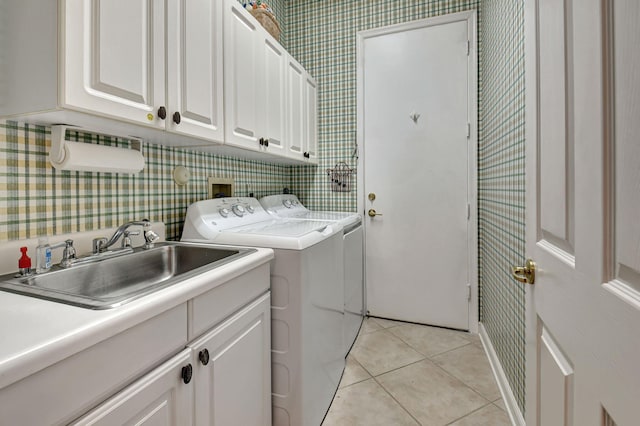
(469, 292)
(468, 130)
(468, 211)
(468, 47)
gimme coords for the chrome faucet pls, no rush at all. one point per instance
(102, 244)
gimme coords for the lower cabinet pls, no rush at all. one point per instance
(159, 398)
(233, 369)
(222, 378)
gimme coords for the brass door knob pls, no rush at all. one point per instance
(372, 213)
(525, 274)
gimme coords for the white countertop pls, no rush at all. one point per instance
(36, 333)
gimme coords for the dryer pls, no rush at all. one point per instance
(307, 298)
(289, 206)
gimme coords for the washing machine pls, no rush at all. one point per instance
(307, 299)
(289, 206)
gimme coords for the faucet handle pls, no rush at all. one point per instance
(97, 244)
(126, 240)
(68, 255)
(150, 237)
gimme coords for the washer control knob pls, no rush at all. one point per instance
(238, 210)
(250, 209)
(224, 212)
(287, 203)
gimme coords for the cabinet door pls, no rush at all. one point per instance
(113, 58)
(233, 382)
(242, 65)
(311, 119)
(159, 398)
(295, 108)
(272, 88)
(194, 68)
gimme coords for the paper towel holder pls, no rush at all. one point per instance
(131, 160)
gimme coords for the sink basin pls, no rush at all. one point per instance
(113, 281)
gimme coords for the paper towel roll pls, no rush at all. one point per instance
(99, 158)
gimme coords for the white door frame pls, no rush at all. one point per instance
(531, 187)
(470, 17)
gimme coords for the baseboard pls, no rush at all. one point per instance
(505, 389)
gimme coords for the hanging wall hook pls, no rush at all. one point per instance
(414, 116)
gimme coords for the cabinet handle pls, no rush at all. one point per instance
(203, 356)
(176, 117)
(266, 142)
(187, 373)
(162, 112)
(306, 155)
(261, 141)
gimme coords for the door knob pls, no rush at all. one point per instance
(372, 213)
(525, 274)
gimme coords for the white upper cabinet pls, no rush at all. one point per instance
(302, 110)
(310, 151)
(114, 61)
(187, 73)
(241, 64)
(194, 68)
(295, 107)
(115, 58)
(272, 88)
(254, 83)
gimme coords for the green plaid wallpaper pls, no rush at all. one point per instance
(322, 36)
(501, 184)
(36, 199)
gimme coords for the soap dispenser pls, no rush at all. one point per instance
(43, 255)
(24, 263)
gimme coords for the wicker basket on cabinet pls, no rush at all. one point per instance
(268, 21)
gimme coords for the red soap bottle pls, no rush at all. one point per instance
(24, 263)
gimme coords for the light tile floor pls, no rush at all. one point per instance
(406, 374)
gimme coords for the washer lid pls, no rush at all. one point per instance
(282, 228)
(277, 234)
(275, 205)
(342, 217)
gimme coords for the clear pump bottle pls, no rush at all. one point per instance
(43, 255)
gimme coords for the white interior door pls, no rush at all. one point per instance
(416, 101)
(583, 205)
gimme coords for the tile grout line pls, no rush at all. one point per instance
(469, 413)
(394, 398)
(431, 361)
(487, 400)
(463, 382)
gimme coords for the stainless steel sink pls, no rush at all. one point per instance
(113, 281)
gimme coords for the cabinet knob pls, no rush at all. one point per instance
(162, 112)
(261, 141)
(306, 155)
(187, 373)
(176, 117)
(203, 356)
(266, 142)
